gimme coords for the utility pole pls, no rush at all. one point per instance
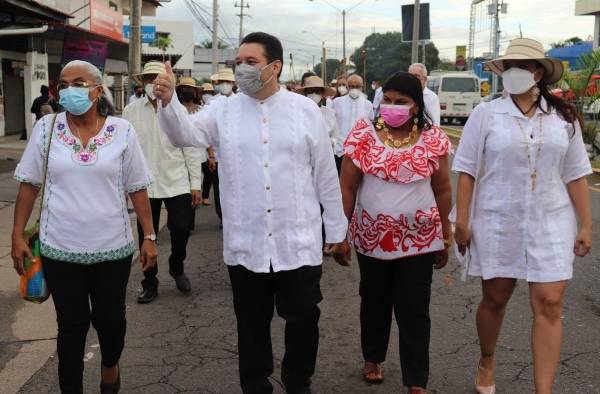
(495, 11)
(344, 41)
(415, 33)
(241, 6)
(135, 41)
(363, 54)
(215, 38)
(324, 64)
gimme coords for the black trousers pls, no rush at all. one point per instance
(211, 178)
(338, 164)
(296, 294)
(404, 286)
(74, 288)
(180, 221)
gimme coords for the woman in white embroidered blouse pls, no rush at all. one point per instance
(397, 196)
(522, 213)
(94, 159)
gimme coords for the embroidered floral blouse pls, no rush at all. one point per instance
(84, 216)
(396, 214)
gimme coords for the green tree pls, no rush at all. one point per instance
(386, 54)
(208, 44)
(334, 69)
(163, 43)
(566, 43)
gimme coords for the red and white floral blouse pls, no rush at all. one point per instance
(396, 214)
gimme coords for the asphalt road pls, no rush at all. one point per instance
(183, 344)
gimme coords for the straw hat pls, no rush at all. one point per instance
(207, 87)
(316, 82)
(333, 81)
(152, 67)
(188, 81)
(528, 49)
(224, 74)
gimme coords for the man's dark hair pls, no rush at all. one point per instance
(271, 44)
(306, 75)
(44, 90)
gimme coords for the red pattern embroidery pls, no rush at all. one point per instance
(393, 235)
(403, 166)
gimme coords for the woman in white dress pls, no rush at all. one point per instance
(87, 246)
(522, 168)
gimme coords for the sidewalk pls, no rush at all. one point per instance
(187, 344)
(11, 147)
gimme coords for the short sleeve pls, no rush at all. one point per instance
(576, 163)
(359, 143)
(31, 167)
(467, 153)
(136, 175)
(437, 142)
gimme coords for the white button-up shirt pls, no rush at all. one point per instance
(377, 98)
(347, 112)
(432, 105)
(175, 170)
(275, 168)
(519, 232)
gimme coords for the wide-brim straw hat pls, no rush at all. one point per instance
(528, 49)
(316, 82)
(188, 81)
(207, 87)
(152, 67)
(224, 74)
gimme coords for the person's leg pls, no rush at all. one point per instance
(375, 307)
(180, 222)
(338, 164)
(546, 302)
(490, 314)
(107, 296)
(253, 302)
(206, 182)
(150, 280)
(217, 193)
(69, 289)
(297, 295)
(411, 295)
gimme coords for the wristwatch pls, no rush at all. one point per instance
(150, 237)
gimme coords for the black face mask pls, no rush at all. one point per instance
(188, 96)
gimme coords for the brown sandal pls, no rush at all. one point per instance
(372, 373)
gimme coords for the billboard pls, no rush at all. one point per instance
(461, 56)
(105, 21)
(78, 48)
(408, 12)
(148, 33)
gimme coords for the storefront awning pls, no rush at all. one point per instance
(31, 8)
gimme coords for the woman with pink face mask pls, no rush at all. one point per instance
(397, 197)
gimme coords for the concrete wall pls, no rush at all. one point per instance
(36, 75)
(13, 56)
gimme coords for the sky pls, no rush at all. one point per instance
(302, 25)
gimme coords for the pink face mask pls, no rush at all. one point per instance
(395, 115)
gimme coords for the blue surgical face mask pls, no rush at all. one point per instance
(75, 100)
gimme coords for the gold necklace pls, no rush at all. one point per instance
(396, 143)
(532, 166)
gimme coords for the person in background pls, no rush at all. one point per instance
(305, 76)
(529, 144)
(224, 82)
(271, 218)
(348, 109)
(87, 246)
(208, 93)
(177, 181)
(377, 96)
(432, 101)
(44, 104)
(341, 87)
(397, 196)
(189, 94)
(138, 92)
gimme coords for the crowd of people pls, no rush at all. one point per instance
(301, 174)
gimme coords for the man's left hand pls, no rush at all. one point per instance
(196, 198)
(341, 253)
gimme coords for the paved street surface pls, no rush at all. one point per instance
(183, 344)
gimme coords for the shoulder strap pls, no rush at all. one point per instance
(45, 168)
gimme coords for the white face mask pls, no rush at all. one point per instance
(355, 93)
(225, 88)
(343, 90)
(206, 98)
(373, 87)
(316, 97)
(149, 88)
(517, 81)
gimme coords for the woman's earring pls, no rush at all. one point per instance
(380, 123)
(535, 93)
(415, 128)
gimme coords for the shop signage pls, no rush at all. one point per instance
(92, 51)
(148, 33)
(105, 21)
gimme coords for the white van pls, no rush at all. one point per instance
(459, 93)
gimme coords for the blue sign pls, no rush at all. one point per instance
(148, 33)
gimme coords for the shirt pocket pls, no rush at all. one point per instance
(238, 239)
(500, 134)
(300, 236)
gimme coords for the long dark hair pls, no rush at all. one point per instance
(409, 85)
(566, 110)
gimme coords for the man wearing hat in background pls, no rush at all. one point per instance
(177, 181)
(208, 93)
(224, 82)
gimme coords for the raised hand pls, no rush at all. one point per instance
(164, 85)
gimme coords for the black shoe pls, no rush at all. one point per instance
(111, 388)
(182, 282)
(147, 295)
